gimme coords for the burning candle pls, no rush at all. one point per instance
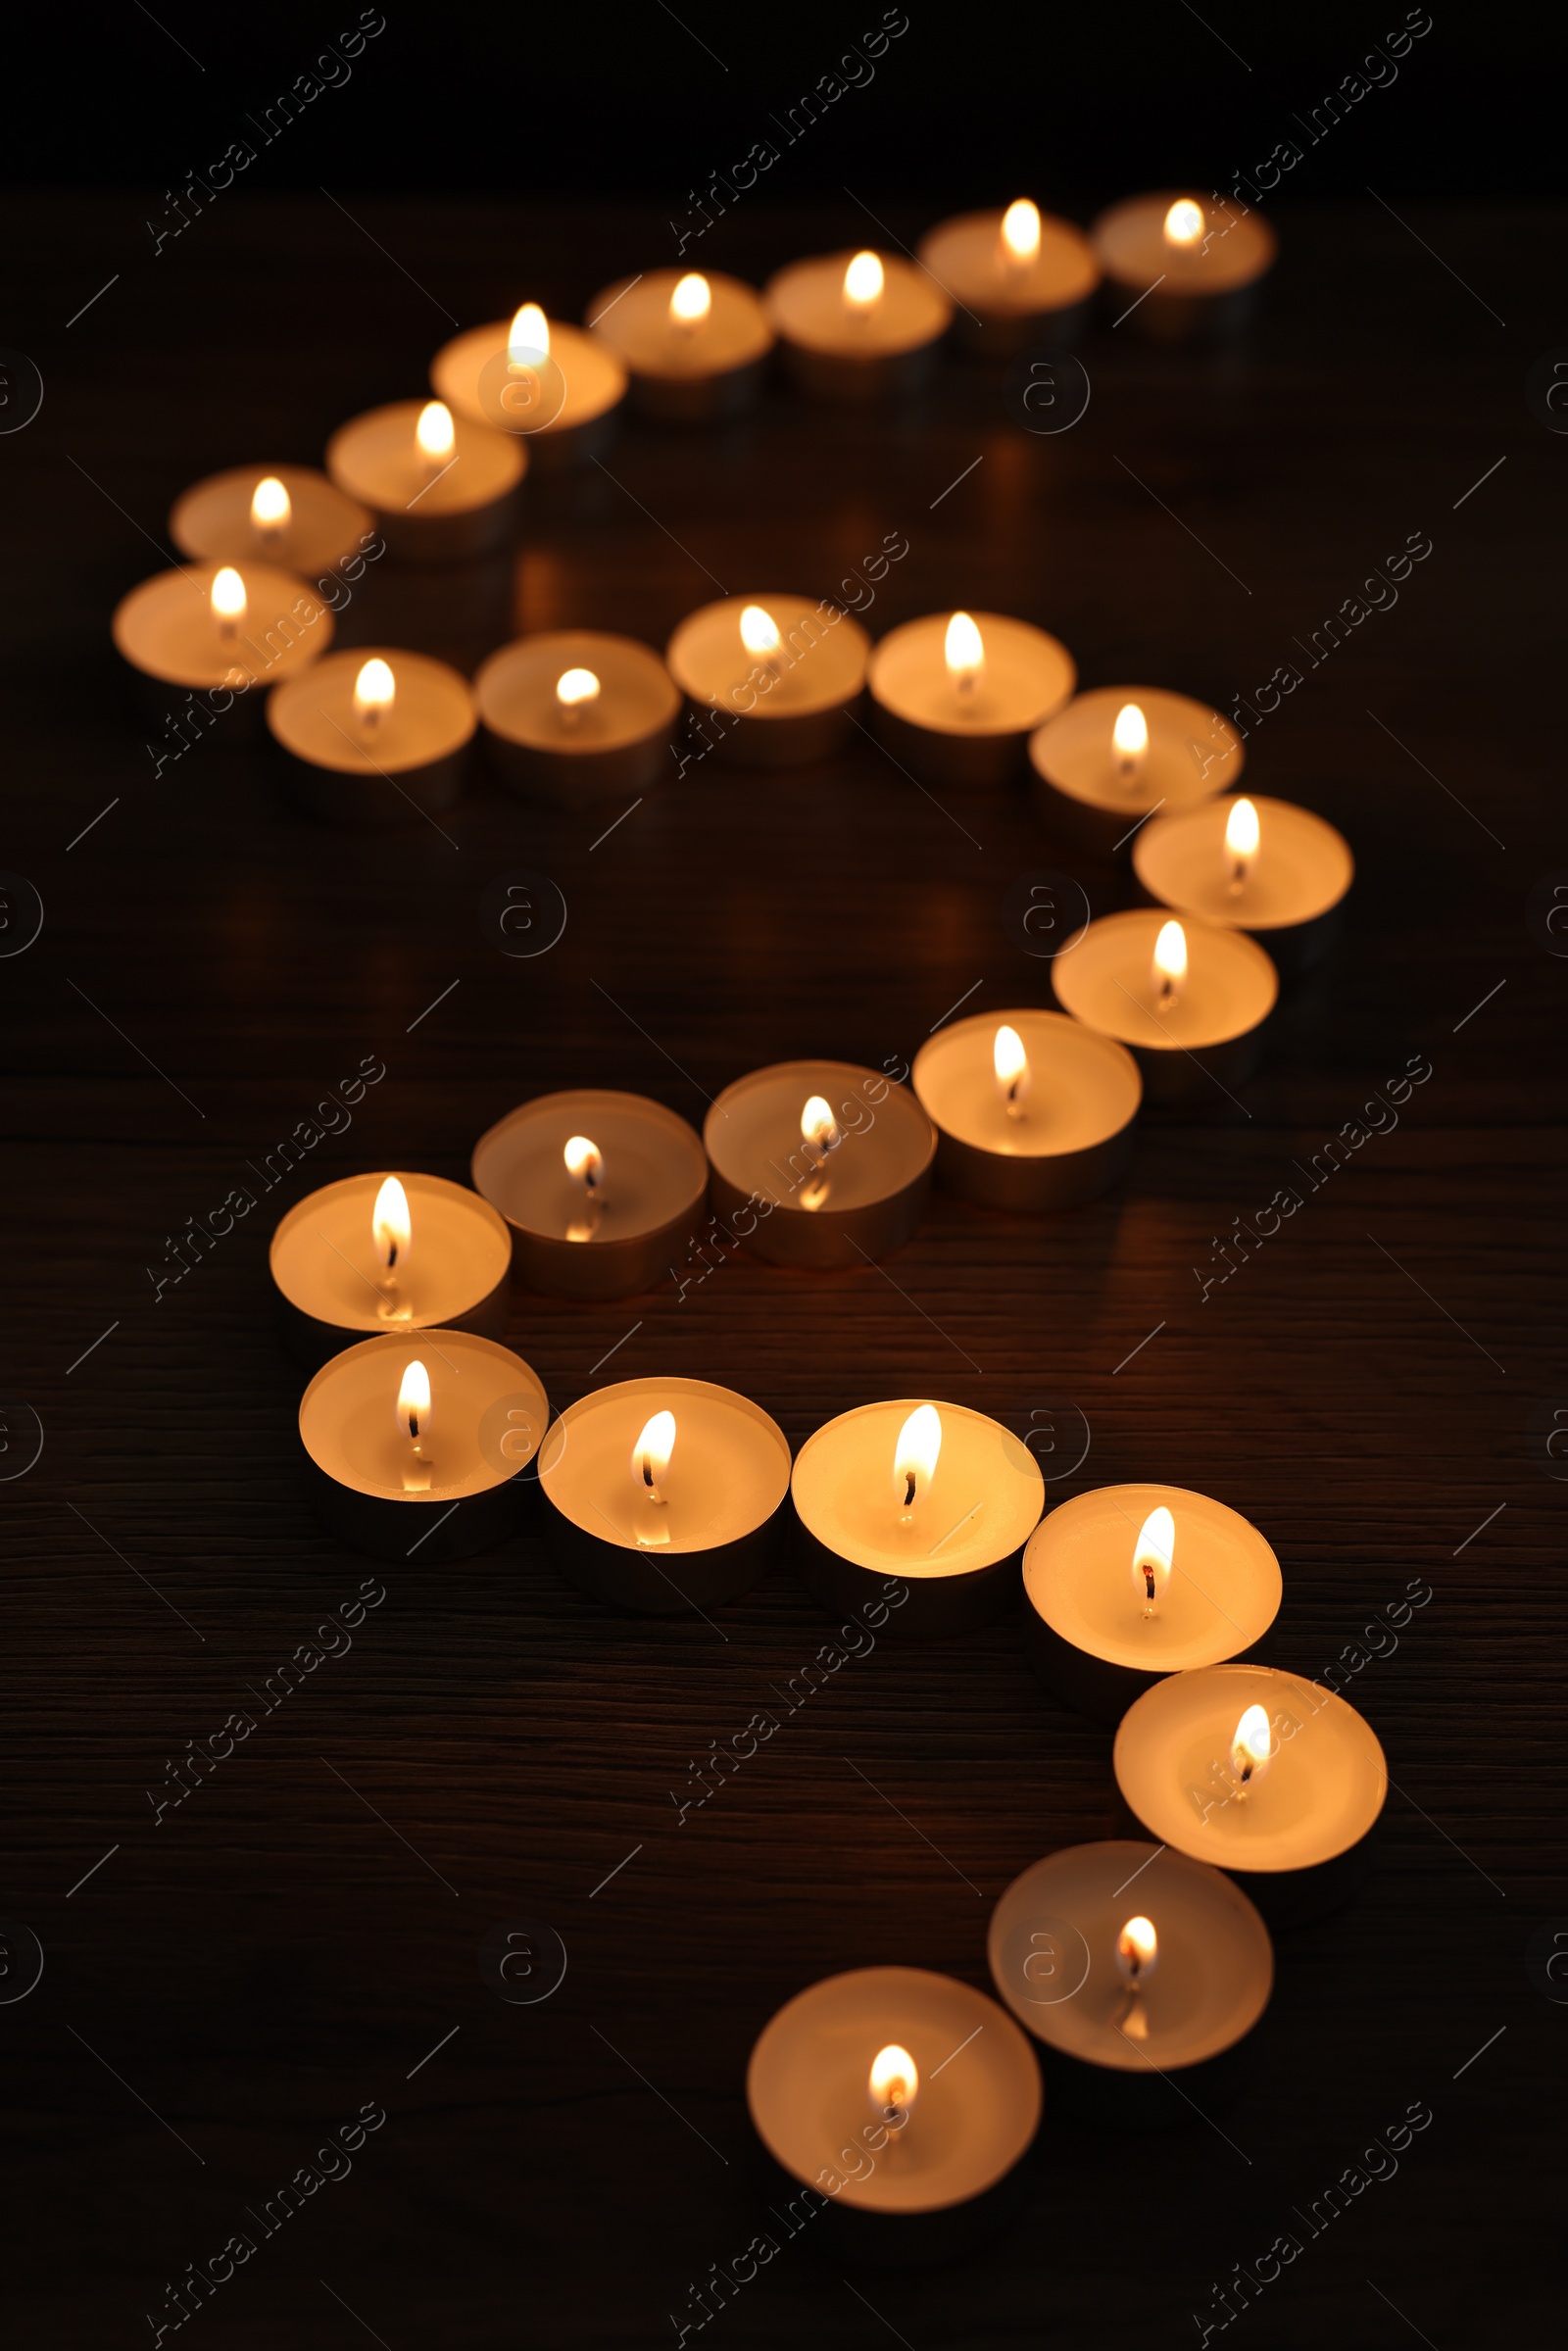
(374, 737)
(369, 1252)
(1188, 999)
(1116, 756)
(857, 325)
(421, 1454)
(1032, 1113)
(442, 489)
(770, 1137)
(576, 716)
(1176, 265)
(936, 1494)
(289, 515)
(1263, 1774)
(537, 380)
(601, 1189)
(958, 695)
(773, 679)
(1262, 867)
(696, 346)
(1018, 279)
(214, 630)
(1131, 1583)
(1137, 1957)
(664, 1494)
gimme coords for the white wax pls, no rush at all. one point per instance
(805, 304)
(974, 2114)
(1083, 1087)
(167, 627)
(1105, 979)
(212, 521)
(820, 664)
(1323, 1788)
(1224, 1591)
(516, 691)
(431, 715)
(983, 1501)
(1300, 868)
(1026, 676)
(1132, 247)
(1075, 752)
(348, 1416)
(579, 380)
(633, 317)
(325, 1261)
(728, 1472)
(966, 256)
(654, 1166)
(752, 1134)
(1053, 1950)
(375, 457)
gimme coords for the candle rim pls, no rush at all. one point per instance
(1123, 1509)
(428, 1196)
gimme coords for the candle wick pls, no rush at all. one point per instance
(908, 1490)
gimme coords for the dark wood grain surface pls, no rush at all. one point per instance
(231, 1983)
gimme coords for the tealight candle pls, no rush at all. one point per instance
(211, 629)
(287, 515)
(532, 376)
(374, 736)
(782, 673)
(936, 1494)
(1130, 1963)
(958, 695)
(389, 1253)
(1262, 867)
(1131, 1583)
(696, 346)
(599, 1188)
(819, 1164)
(664, 1494)
(1182, 263)
(442, 488)
(1018, 278)
(1032, 1111)
(1117, 754)
(857, 325)
(907, 2100)
(415, 1442)
(575, 714)
(1261, 1773)
(1188, 997)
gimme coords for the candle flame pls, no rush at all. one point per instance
(228, 595)
(374, 692)
(390, 1227)
(1252, 1748)
(820, 1129)
(528, 338)
(585, 1161)
(1184, 224)
(413, 1402)
(1152, 1557)
(914, 1456)
(269, 505)
(1129, 736)
(574, 687)
(1170, 961)
(1020, 231)
(1242, 835)
(650, 1456)
(692, 300)
(964, 650)
(895, 2079)
(1011, 1065)
(758, 630)
(435, 432)
(1137, 1949)
(862, 282)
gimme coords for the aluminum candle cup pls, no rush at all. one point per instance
(1115, 1600)
(456, 1490)
(921, 2170)
(1116, 753)
(1017, 278)
(955, 696)
(819, 1164)
(955, 1542)
(857, 325)
(1296, 1833)
(238, 517)
(359, 755)
(1185, 265)
(399, 1254)
(696, 346)
(442, 505)
(555, 387)
(1287, 890)
(1210, 1036)
(685, 1526)
(1119, 2012)
(602, 1222)
(780, 675)
(1032, 1111)
(577, 716)
(215, 637)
